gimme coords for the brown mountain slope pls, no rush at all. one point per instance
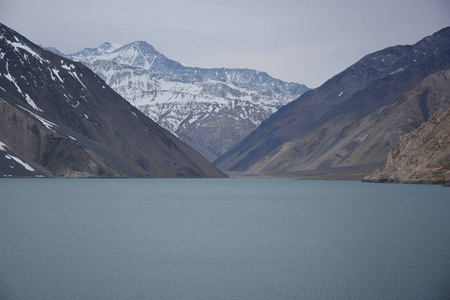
(92, 124)
(352, 119)
(422, 156)
(350, 141)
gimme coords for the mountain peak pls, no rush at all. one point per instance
(209, 109)
(137, 54)
(143, 44)
(59, 116)
(109, 47)
(144, 48)
(88, 54)
(53, 49)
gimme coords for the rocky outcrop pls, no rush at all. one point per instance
(422, 156)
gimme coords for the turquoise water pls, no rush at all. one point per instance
(222, 239)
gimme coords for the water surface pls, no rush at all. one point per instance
(222, 239)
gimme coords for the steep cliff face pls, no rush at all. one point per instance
(422, 156)
(354, 118)
(60, 115)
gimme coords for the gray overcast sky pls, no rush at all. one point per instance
(293, 40)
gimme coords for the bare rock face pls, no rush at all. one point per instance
(422, 156)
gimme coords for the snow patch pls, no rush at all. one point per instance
(19, 161)
(46, 123)
(3, 146)
(193, 119)
(51, 75)
(17, 45)
(397, 71)
(151, 64)
(74, 74)
(31, 103)
(27, 97)
(12, 79)
(76, 105)
(68, 68)
(56, 72)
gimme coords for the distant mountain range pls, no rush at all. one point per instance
(58, 118)
(61, 119)
(209, 109)
(353, 119)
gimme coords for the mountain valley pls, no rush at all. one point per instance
(209, 109)
(61, 119)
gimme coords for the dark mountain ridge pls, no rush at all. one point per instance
(332, 126)
(73, 123)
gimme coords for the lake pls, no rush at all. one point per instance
(222, 239)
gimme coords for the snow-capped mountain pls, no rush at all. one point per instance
(89, 55)
(58, 118)
(209, 109)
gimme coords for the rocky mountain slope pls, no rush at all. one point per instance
(354, 118)
(422, 156)
(209, 109)
(58, 118)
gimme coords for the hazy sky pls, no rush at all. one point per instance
(293, 40)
